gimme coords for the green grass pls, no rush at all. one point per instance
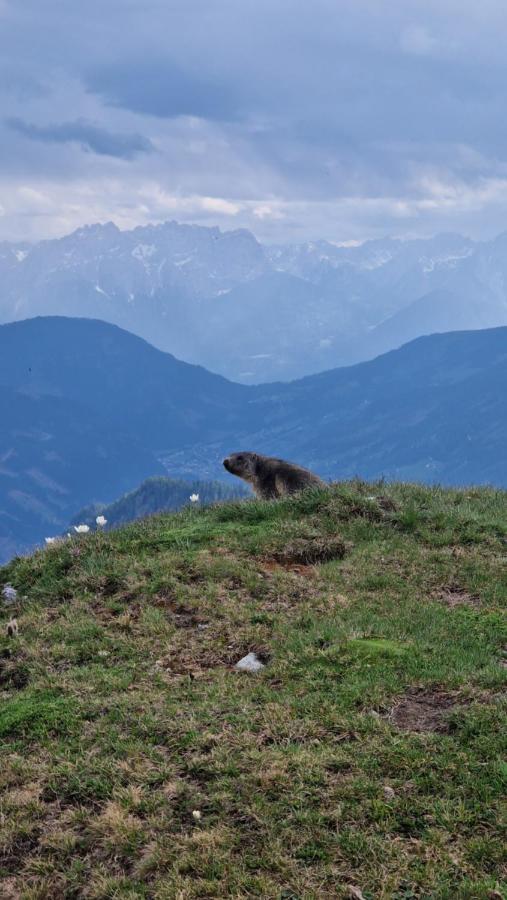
(121, 713)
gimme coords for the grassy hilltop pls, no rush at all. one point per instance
(367, 759)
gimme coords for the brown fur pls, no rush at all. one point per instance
(270, 478)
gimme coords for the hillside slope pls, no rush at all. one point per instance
(156, 495)
(84, 407)
(435, 410)
(55, 455)
(88, 411)
(366, 756)
(119, 376)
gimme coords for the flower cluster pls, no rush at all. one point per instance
(79, 529)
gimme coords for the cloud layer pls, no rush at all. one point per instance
(334, 119)
(87, 135)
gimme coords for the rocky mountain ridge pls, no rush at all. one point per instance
(258, 313)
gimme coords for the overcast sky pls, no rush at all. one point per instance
(341, 119)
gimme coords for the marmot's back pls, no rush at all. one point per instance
(270, 477)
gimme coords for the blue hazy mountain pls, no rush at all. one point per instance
(258, 313)
(85, 409)
(89, 411)
(55, 455)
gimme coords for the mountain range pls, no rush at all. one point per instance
(257, 313)
(89, 411)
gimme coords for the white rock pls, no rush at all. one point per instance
(249, 663)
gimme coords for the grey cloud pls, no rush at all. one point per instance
(20, 84)
(307, 105)
(160, 88)
(91, 137)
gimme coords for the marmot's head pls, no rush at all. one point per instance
(242, 464)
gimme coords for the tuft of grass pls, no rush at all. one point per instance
(135, 761)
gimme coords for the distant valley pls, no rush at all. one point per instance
(89, 411)
(256, 313)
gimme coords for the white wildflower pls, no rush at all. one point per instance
(194, 498)
(197, 815)
(9, 593)
(101, 521)
(81, 529)
(50, 540)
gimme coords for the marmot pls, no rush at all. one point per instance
(270, 478)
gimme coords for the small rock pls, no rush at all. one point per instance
(249, 663)
(389, 794)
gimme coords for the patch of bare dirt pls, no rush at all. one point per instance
(12, 857)
(183, 616)
(110, 584)
(10, 890)
(425, 710)
(305, 571)
(13, 673)
(386, 504)
(453, 595)
(198, 663)
(309, 551)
